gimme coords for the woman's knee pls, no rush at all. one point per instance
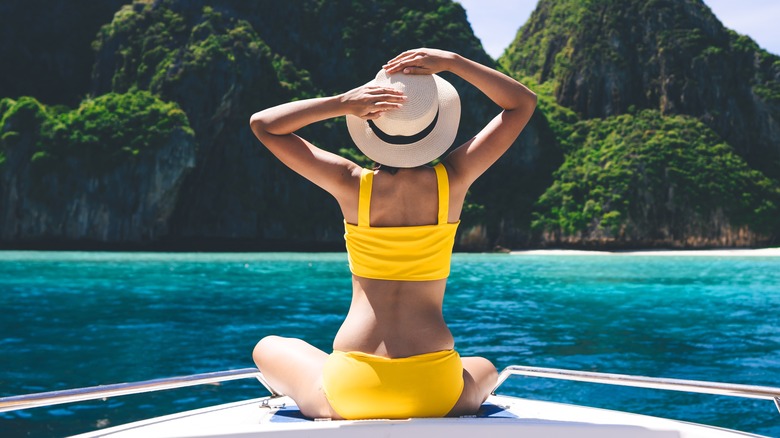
(490, 377)
(491, 373)
(481, 368)
(265, 348)
(484, 374)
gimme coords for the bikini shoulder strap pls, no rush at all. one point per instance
(364, 201)
(444, 192)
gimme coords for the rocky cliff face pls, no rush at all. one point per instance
(608, 57)
(607, 61)
(64, 180)
(222, 61)
(645, 179)
(161, 152)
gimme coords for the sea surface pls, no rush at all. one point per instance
(74, 319)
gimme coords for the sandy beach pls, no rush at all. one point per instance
(762, 252)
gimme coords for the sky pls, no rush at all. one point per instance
(496, 22)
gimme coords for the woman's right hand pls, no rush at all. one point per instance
(421, 61)
(369, 102)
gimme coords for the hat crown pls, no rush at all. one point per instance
(417, 133)
(419, 109)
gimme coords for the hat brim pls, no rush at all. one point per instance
(417, 153)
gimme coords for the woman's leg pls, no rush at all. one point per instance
(294, 368)
(479, 378)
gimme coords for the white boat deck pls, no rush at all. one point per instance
(501, 416)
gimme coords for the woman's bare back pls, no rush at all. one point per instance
(395, 318)
(399, 318)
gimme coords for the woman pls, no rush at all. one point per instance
(393, 356)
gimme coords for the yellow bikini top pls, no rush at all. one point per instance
(414, 253)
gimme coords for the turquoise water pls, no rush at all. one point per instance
(73, 319)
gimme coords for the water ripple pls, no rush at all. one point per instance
(114, 317)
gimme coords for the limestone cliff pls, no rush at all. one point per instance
(222, 61)
(638, 178)
(607, 57)
(656, 126)
(645, 179)
(108, 172)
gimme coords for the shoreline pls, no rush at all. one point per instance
(720, 252)
(713, 252)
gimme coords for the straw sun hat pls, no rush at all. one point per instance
(418, 132)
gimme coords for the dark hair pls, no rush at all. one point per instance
(392, 170)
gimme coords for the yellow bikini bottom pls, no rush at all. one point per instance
(360, 385)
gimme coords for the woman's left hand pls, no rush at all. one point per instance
(420, 62)
(370, 101)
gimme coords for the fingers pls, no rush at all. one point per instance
(378, 110)
(384, 106)
(378, 104)
(372, 116)
(416, 71)
(378, 93)
(384, 102)
(384, 98)
(414, 63)
(389, 98)
(409, 69)
(399, 64)
(376, 89)
(420, 61)
(404, 55)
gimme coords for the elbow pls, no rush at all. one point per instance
(531, 99)
(521, 99)
(256, 121)
(258, 125)
(523, 102)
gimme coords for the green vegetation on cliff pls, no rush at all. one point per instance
(662, 123)
(610, 57)
(24, 116)
(106, 171)
(669, 122)
(158, 48)
(110, 130)
(90, 141)
(101, 133)
(647, 178)
(222, 61)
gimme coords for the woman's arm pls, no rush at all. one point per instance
(470, 160)
(275, 128)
